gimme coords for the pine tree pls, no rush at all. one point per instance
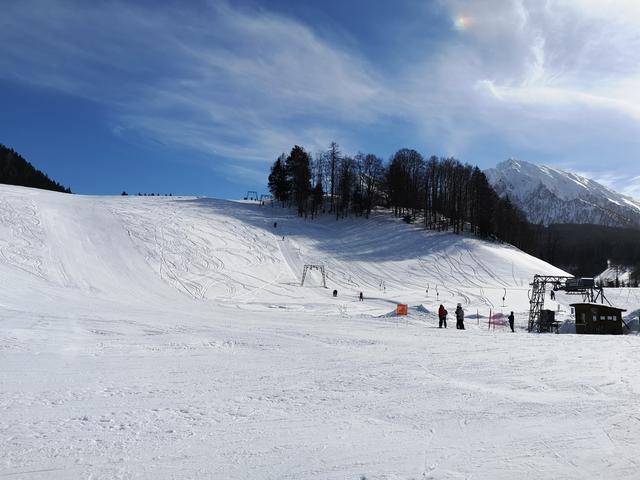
(299, 174)
(279, 185)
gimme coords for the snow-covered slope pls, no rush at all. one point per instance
(549, 195)
(169, 338)
(153, 250)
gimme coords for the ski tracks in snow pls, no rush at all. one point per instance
(22, 244)
(201, 257)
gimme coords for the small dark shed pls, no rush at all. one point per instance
(593, 318)
(548, 322)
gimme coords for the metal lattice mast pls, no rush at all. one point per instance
(569, 285)
(536, 302)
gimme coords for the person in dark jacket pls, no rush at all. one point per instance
(459, 317)
(511, 321)
(442, 315)
(361, 297)
(335, 293)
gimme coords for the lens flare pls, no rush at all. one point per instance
(460, 22)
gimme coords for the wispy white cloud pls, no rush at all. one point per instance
(625, 184)
(630, 187)
(239, 84)
(558, 78)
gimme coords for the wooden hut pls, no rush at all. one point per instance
(594, 318)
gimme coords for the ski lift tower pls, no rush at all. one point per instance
(252, 195)
(570, 285)
(314, 266)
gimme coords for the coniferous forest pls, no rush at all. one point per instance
(15, 170)
(584, 249)
(440, 194)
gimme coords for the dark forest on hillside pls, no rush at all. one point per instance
(15, 170)
(585, 249)
(441, 194)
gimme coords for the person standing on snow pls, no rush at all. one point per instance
(442, 315)
(459, 317)
(511, 321)
(361, 297)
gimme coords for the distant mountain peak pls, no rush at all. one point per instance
(552, 195)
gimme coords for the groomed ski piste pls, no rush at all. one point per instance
(169, 337)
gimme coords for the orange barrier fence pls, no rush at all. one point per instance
(402, 309)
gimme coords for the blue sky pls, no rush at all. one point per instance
(199, 97)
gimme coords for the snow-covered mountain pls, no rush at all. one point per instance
(550, 195)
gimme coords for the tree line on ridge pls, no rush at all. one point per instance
(440, 193)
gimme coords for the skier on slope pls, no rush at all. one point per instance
(511, 321)
(459, 317)
(361, 297)
(442, 315)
